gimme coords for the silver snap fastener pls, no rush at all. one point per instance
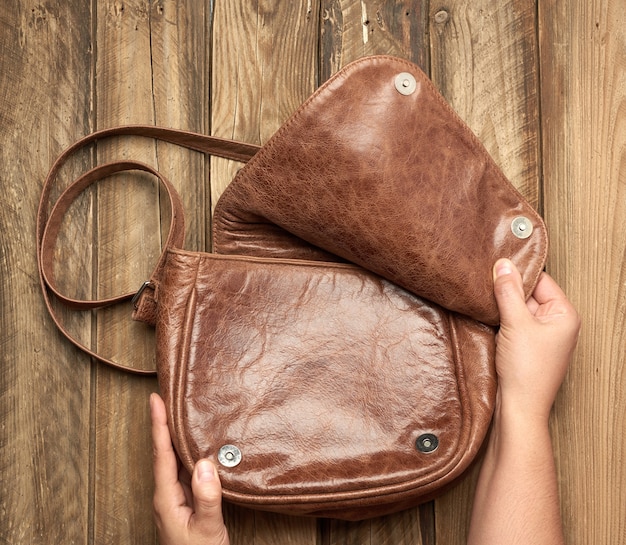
(522, 227)
(405, 83)
(426, 443)
(229, 456)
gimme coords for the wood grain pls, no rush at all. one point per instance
(44, 383)
(150, 70)
(355, 28)
(126, 247)
(583, 74)
(484, 61)
(489, 75)
(253, 89)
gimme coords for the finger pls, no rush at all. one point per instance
(509, 292)
(167, 489)
(547, 290)
(207, 492)
(554, 304)
(532, 305)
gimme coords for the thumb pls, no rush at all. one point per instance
(207, 495)
(509, 292)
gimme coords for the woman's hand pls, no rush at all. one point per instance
(517, 498)
(535, 341)
(186, 511)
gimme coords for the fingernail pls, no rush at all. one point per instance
(205, 471)
(503, 267)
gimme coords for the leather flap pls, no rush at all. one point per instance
(393, 182)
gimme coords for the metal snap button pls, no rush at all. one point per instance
(522, 227)
(426, 443)
(405, 83)
(229, 456)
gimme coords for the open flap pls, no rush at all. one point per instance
(377, 169)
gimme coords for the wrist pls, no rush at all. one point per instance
(523, 407)
(519, 424)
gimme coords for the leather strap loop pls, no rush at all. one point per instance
(175, 237)
(49, 225)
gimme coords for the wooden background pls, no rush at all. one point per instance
(543, 85)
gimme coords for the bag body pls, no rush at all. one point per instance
(334, 354)
(336, 392)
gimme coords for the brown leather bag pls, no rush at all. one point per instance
(335, 353)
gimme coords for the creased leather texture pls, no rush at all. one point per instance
(324, 376)
(397, 184)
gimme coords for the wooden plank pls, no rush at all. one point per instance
(356, 28)
(483, 59)
(180, 41)
(254, 89)
(124, 95)
(44, 383)
(584, 138)
(150, 70)
(398, 529)
(352, 29)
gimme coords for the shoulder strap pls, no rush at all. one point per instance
(49, 224)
